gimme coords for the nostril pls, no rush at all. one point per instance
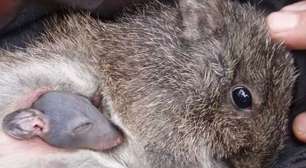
(38, 128)
(83, 128)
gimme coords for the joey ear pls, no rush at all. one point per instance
(200, 16)
(24, 124)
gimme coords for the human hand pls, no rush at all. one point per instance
(289, 26)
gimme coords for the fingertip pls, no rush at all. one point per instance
(288, 28)
(280, 22)
(299, 127)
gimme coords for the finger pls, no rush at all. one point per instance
(288, 27)
(299, 127)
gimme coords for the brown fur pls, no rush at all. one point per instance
(166, 74)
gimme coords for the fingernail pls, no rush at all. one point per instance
(299, 6)
(282, 21)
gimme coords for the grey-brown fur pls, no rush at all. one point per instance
(166, 76)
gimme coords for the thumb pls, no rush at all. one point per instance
(289, 25)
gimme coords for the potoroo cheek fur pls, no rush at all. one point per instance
(199, 84)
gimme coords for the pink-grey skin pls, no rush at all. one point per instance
(63, 120)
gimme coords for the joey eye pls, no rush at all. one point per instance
(241, 97)
(83, 128)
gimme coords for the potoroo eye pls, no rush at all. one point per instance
(241, 97)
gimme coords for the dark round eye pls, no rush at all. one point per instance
(241, 97)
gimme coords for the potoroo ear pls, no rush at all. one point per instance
(199, 16)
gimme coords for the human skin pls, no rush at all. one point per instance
(289, 26)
